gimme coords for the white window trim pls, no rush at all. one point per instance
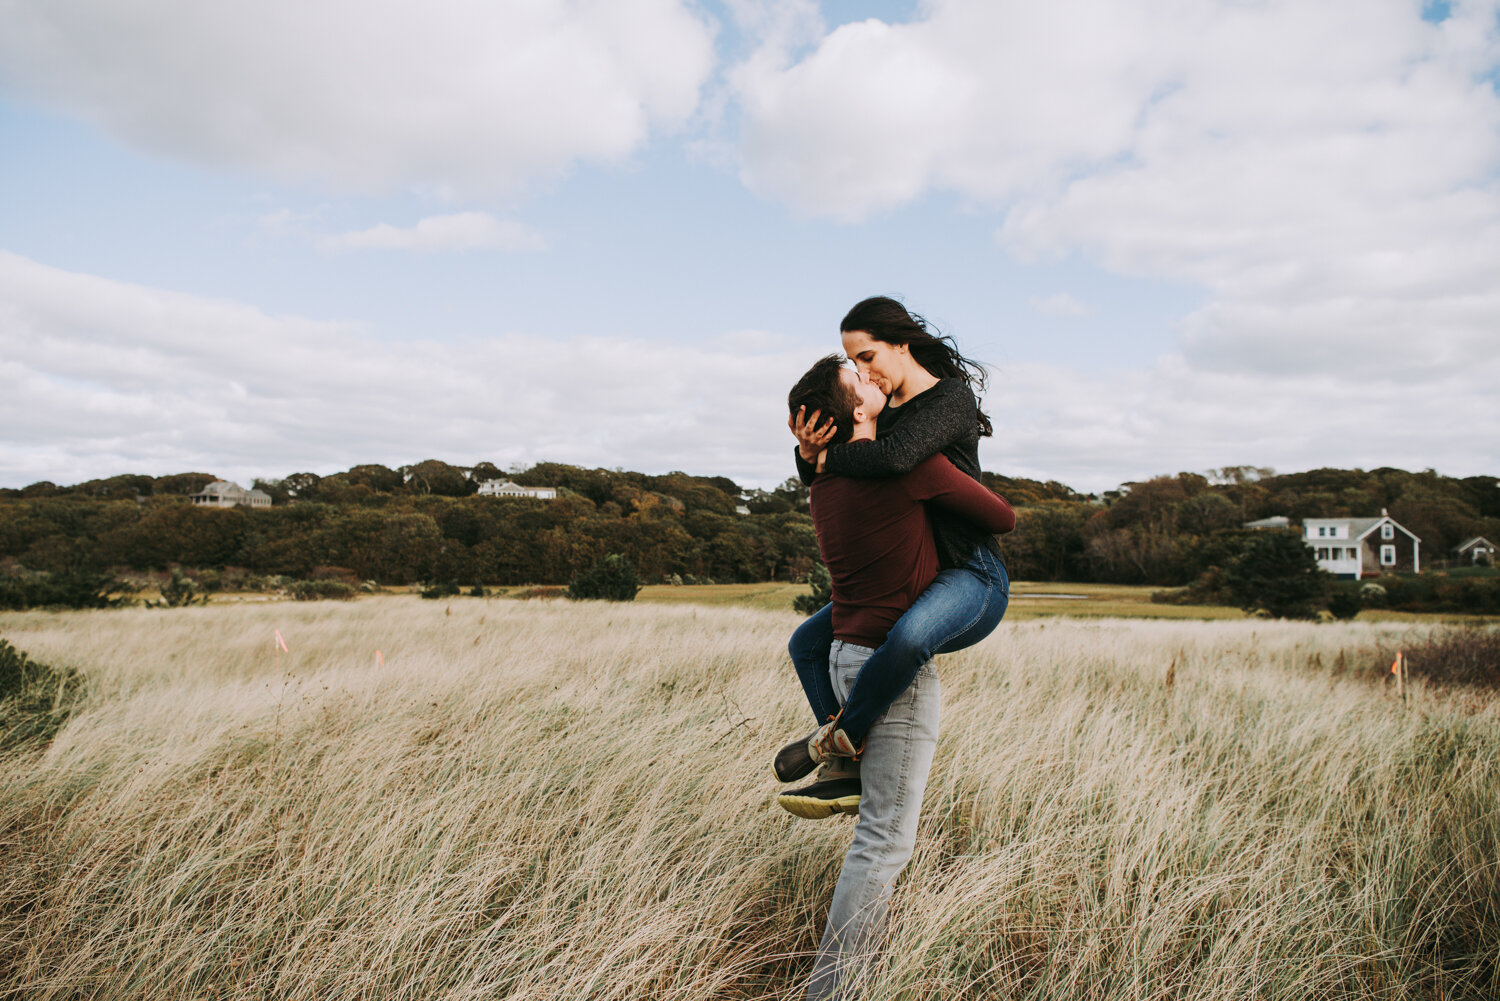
(1387, 531)
(1387, 556)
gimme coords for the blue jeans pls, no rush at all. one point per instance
(959, 608)
(893, 776)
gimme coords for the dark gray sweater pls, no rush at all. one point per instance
(943, 419)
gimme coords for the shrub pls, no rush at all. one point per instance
(316, 590)
(1205, 589)
(613, 578)
(1465, 655)
(35, 699)
(22, 589)
(1344, 601)
(1441, 593)
(179, 590)
(440, 589)
(822, 591)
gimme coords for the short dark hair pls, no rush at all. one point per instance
(822, 389)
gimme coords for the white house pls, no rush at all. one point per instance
(1275, 521)
(222, 493)
(1478, 551)
(505, 488)
(1362, 547)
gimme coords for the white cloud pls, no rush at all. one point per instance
(457, 232)
(99, 377)
(463, 96)
(1095, 431)
(1059, 304)
(1329, 173)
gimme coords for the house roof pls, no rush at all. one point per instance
(1473, 542)
(1358, 527)
(1275, 521)
(222, 487)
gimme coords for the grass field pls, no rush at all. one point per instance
(1028, 600)
(557, 800)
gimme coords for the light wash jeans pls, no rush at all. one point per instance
(893, 774)
(959, 608)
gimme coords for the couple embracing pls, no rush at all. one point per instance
(890, 450)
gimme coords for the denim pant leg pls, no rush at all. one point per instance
(809, 649)
(958, 609)
(893, 773)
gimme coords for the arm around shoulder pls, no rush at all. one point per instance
(937, 480)
(944, 418)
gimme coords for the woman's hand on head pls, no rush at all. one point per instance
(811, 439)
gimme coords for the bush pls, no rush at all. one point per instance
(1344, 601)
(822, 591)
(35, 700)
(1205, 589)
(1439, 593)
(179, 590)
(613, 578)
(1465, 655)
(317, 590)
(23, 589)
(440, 589)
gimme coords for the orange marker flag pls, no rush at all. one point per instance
(281, 642)
(1396, 665)
(379, 658)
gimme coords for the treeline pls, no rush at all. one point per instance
(423, 522)
(414, 524)
(1172, 529)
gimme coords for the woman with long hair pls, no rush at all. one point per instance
(931, 409)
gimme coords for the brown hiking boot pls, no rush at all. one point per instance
(830, 741)
(795, 760)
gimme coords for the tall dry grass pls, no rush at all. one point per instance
(548, 800)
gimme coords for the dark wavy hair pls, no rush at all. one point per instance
(885, 319)
(822, 389)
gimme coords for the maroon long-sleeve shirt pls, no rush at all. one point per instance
(877, 544)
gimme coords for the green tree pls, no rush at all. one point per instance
(1278, 574)
(185, 484)
(822, 591)
(434, 476)
(613, 578)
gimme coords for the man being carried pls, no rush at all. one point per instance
(875, 540)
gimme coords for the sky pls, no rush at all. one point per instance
(252, 240)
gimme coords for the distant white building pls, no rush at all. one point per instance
(505, 488)
(222, 493)
(1275, 521)
(1478, 551)
(1362, 547)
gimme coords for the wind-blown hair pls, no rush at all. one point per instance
(887, 320)
(821, 389)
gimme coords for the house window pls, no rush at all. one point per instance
(1387, 531)
(1352, 553)
(1322, 553)
(1322, 531)
(1387, 556)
